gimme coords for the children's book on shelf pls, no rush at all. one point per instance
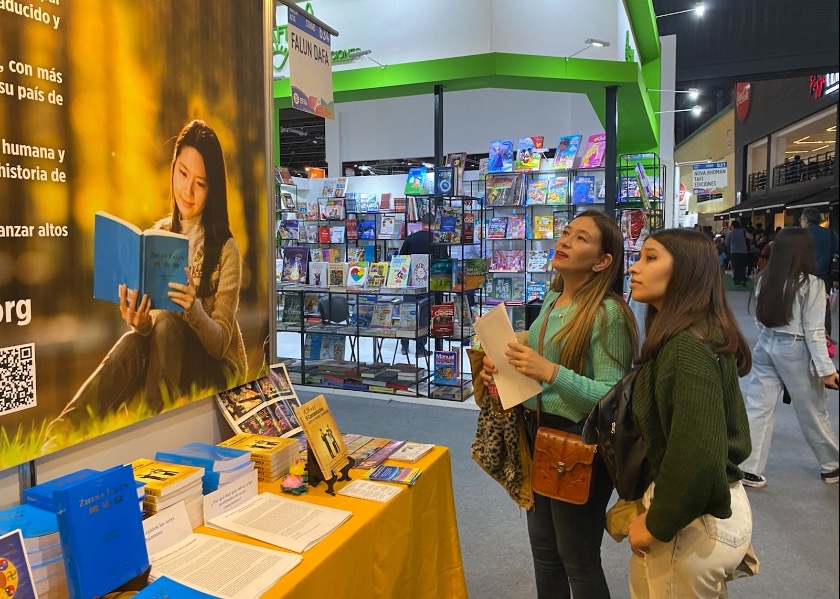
(323, 436)
(337, 274)
(558, 190)
(543, 226)
(328, 190)
(386, 226)
(537, 260)
(419, 274)
(517, 318)
(458, 161)
(408, 315)
(101, 532)
(593, 155)
(442, 319)
(500, 158)
(415, 180)
(334, 209)
(143, 260)
(444, 180)
(468, 228)
(377, 275)
(366, 228)
(508, 260)
(529, 153)
(560, 221)
(446, 368)
(447, 226)
(473, 271)
(313, 209)
(583, 191)
(398, 271)
(440, 274)
(503, 190)
(515, 226)
(383, 315)
(503, 288)
(567, 149)
(288, 201)
(357, 274)
(318, 274)
(497, 228)
(537, 192)
(310, 304)
(295, 263)
(367, 202)
(517, 293)
(340, 187)
(535, 290)
(323, 234)
(310, 232)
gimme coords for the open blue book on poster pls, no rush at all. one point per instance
(101, 531)
(144, 260)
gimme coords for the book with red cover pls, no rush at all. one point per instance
(443, 320)
(352, 233)
(324, 234)
(468, 234)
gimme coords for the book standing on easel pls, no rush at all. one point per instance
(323, 437)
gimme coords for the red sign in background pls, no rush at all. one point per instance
(743, 94)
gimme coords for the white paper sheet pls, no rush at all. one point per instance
(494, 331)
(365, 489)
(288, 523)
(230, 495)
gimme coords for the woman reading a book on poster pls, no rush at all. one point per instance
(589, 344)
(167, 354)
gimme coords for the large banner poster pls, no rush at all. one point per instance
(133, 161)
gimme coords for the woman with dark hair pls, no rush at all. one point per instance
(688, 408)
(168, 354)
(791, 353)
(589, 343)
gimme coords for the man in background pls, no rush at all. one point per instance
(825, 248)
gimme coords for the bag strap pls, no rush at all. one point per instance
(540, 349)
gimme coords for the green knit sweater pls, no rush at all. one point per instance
(689, 410)
(610, 355)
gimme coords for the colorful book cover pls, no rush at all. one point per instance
(143, 260)
(340, 187)
(446, 368)
(497, 227)
(567, 149)
(560, 219)
(377, 275)
(458, 161)
(535, 291)
(337, 274)
(444, 180)
(289, 230)
(500, 191)
(310, 232)
(446, 228)
(528, 153)
(393, 474)
(442, 320)
(543, 226)
(328, 191)
(537, 260)
(323, 436)
(503, 288)
(500, 159)
(440, 274)
(583, 190)
(508, 260)
(398, 271)
(163, 478)
(352, 230)
(593, 155)
(386, 226)
(537, 192)
(473, 273)
(517, 292)
(334, 209)
(318, 274)
(366, 229)
(357, 274)
(419, 274)
(516, 226)
(415, 180)
(15, 573)
(295, 263)
(558, 190)
(101, 532)
(468, 228)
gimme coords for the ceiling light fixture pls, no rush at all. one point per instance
(698, 10)
(591, 41)
(697, 110)
(693, 92)
(357, 54)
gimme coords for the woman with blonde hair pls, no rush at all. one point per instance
(581, 344)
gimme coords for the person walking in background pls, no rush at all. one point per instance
(589, 340)
(688, 408)
(737, 245)
(791, 353)
(168, 353)
(419, 242)
(825, 243)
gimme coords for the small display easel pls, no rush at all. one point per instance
(316, 475)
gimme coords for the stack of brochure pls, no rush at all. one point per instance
(272, 456)
(222, 465)
(394, 474)
(43, 547)
(167, 484)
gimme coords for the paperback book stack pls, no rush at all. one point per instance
(42, 543)
(272, 456)
(167, 484)
(222, 465)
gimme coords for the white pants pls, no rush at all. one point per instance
(696, 562)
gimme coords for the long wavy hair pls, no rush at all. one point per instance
(694, 300)
(793, 258)
(199, 135)
(589, 300)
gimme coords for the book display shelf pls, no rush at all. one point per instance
(341, 282)
(640, 200)
(526, 212)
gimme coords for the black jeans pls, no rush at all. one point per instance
(566, 538)
(739, 267)
(827, 281)
(165, 364)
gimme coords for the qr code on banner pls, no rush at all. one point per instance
(17, 378)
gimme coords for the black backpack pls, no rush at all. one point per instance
(610, 426)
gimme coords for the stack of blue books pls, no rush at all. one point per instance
(42, 495)
(43, 547)
(222, 465)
